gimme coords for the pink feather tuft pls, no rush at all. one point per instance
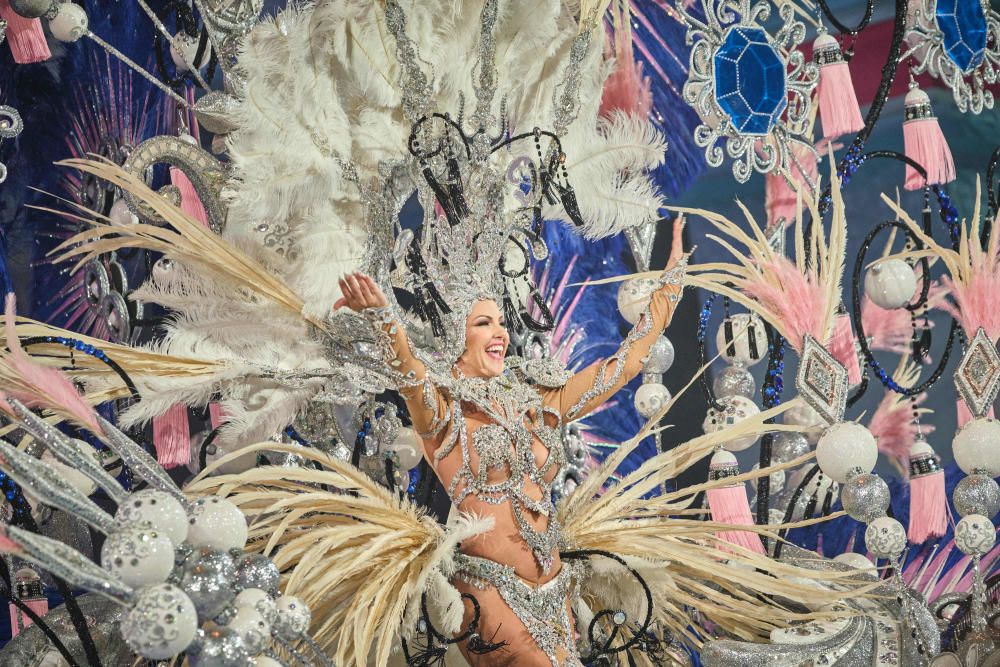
(38, 386)
(842, 348)
(894, 429)
(626, 89)
(799, 301)
(975, 300)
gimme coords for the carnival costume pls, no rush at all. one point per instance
(338, 115)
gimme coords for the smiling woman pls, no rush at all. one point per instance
(493, 437)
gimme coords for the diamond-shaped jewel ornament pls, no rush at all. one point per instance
(978, 374)
(822, 381)
(640, 240)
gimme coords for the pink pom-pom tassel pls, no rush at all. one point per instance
(779, 197)
(25, 36)
(842, 348)
(190, 202)
(928, 502)
(729, 504)
(838, 103)
(172, 437)
(924, 142)
(40, 607)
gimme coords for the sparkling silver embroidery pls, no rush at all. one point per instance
(542, 610)
(978, 375)
(822, 381)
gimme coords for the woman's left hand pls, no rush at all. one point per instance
(359, 292)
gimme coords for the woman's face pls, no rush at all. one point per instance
(486, 341)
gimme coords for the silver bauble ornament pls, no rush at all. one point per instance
(788, 446)
(633, 297)
(890, 283)
(207, 577)
(257, 571)
(155, 508)
(219, 647)
(161, 623)
(70, 22)
(293, 617)
(266, 661)
(650, 398)
(259, 600)
(660, 357)
(734, 380)
(885, 537)
(31, 9)
(138, 555)
(216, 522)
(252, 627)
(977, 494)
(776, 480)
(749, 339)
(975, 535)
(865, 497)
(735, 409)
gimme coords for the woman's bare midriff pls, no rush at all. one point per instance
(504, 544)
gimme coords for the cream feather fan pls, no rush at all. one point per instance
(796, 297)
(319, 87)
(665, 541)
(357, 554)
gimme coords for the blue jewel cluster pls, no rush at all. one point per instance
(704, 316)
(774, 383)
(80, 346)
(949, 214)
(12, 492)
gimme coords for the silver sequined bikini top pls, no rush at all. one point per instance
(517, 417)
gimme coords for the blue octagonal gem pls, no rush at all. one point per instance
(749, 80)
(963, 31)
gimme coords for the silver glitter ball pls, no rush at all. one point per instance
(788, 446)
(977, 494)
(293, 619)
(207, 577)
(31, 9)
(660, 357)
(734, 381)
(219, 647)
(885, 537)
(257, 571)
(865, 497)
(975, 535)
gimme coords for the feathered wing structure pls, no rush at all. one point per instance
(664, 540)
(360, 556)
(318, 121)
(797, 297)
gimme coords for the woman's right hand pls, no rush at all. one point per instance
(359, 292)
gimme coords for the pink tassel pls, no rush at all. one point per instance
(964, 415)
(30, 592)
(924, 142)
(25, 36)
(626, 89)
(729, 504)
(779, 197)
(838, 103)
(928, 503)
(190, 203)
(842, 348)
(172, 437)
(216, 414)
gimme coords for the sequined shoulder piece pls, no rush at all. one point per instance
(549, 373)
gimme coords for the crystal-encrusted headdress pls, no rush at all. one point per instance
(482, 185)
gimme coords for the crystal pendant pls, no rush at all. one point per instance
(822, 381)
(978, 374)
